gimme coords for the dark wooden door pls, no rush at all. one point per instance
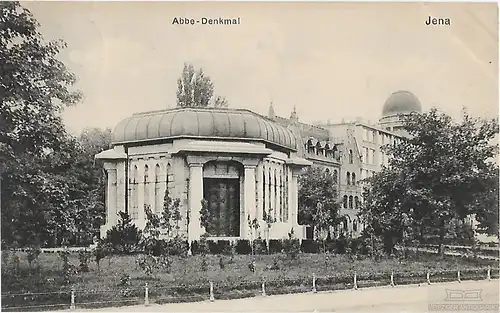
(223, 197)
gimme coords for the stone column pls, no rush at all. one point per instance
(289, 196)
(141, 217)
(278, 196)
(272, 198)
(152, 183)
(294, 203)
(260, 196)
(248, 207)
(195, 195)
(111, 197)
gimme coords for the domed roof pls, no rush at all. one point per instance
(201, 122)
(401, 102)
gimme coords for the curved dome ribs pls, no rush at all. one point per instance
(199, 122)
(401, 102)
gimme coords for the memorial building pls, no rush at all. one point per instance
(244, 165)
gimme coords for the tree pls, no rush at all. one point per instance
(318, 205)
(34, 88)
(124, 237)
(195, 89)
(442, 173)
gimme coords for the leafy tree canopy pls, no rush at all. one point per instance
(318, 199)
(195, 89)
(444, 172)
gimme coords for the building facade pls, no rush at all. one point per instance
(243, 165)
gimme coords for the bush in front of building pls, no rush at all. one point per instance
(259, 246)
(310, 246)
(275, 246)
(243, 247)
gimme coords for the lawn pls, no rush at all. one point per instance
(187, 281)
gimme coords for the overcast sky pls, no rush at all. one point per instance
(330, 60)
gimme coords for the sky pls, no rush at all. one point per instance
(332, 61)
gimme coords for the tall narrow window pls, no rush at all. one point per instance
(135, 210)
(353, 178)
(356, 202)
(169, 179)
(264, 182)
(350, 157)
(345, 202)
(335, 176)
(350, 202)
(276, 199)
(348, 178)
(286, 195)
(146, 187)
(282, 212)
(158, 195)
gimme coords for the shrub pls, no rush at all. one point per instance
(213, 247)
(224, 246)
(259, 246)
(291, 246)
(275, 246)
(177, 246)
(309, 246)
(356, 245)
(243, 247)
(330, 245)
(84, 257)
(125, 237)
(341, 245)
(32, 254)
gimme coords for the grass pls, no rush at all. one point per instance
(187, 282)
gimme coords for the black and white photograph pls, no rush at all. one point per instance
(229, 156)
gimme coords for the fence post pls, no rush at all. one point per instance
(488, 273)
(212, 298)
(355, 282)
(72, 305)
(146, 295)
(458, 276)
(428, 278)
(263, 288)
(314, 283)
(392, 279)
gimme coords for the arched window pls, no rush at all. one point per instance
(356, 202)
(355, 226)
(350, 157)
(335, 176)
(327, 171)
(350, 202)
(353, 178)
(135, 194)
(146, 187)
(345, 202)
(158, 195)
(348, 178)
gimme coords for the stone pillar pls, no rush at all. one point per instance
(152, 183)
(120, 189)
(260, 196)
(278, 196)
(195, 195)
(248, 207)
(272, 198)
(141, 216)
(290, 196)
(294, 201)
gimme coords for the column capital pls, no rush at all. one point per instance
(109, 166)
(250, 162)
(195, 160)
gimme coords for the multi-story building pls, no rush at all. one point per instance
(358, 147)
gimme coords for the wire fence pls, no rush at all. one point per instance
(161, 294)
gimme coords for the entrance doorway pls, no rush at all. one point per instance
(223, 197)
